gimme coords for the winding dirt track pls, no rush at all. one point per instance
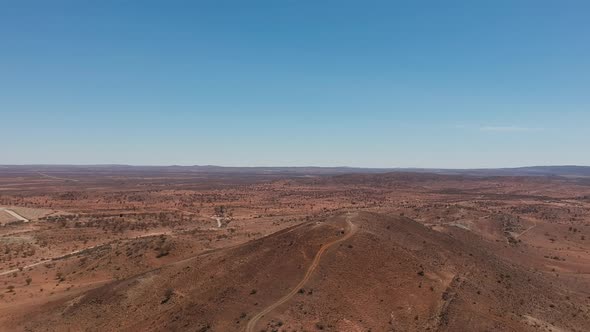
(316, 261)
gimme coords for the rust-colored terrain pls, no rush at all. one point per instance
(113, 248)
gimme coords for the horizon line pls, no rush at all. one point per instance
(308, 166)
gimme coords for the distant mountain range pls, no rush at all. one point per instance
(567, 171)
(564, 171)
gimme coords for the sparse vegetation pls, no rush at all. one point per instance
(473, 234)
(167, 295)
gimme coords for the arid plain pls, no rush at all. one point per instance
(173, 248)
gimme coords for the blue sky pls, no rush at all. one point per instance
(245, 83)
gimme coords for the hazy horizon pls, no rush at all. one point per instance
(282, 166)
(290, 83)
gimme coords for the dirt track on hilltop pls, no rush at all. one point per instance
(316, 261)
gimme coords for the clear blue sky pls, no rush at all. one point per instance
(278, 82)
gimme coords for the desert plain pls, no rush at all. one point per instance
(113, 248)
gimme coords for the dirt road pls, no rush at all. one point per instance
(25, 267)
(14, 214)
(218, 219)
(55, 177)
(525, 231)
(316, 261)
(75, 252)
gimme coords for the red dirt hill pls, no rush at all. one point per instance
(376, 272)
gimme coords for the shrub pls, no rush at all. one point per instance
(167, 295)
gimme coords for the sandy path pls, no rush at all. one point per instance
(316, 261)
(14, 214)
(218, 219)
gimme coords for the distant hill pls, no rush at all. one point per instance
(565, 171)
(568, 171)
